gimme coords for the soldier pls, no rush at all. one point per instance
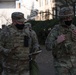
(16, 40)
(28, 25)
(1, 68)
(62, 41)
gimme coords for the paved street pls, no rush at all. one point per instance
(45, 62)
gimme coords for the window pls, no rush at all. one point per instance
(7, 4)
(40, 3)
(46, 2)
(19, 5)
(53, 1)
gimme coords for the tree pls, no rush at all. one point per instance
(4, 19)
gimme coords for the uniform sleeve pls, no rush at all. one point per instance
(73, 27)
(35, 43)
(51, 42)
(3, 39)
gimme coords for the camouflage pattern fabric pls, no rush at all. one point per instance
(18, 16)
(22, 73)
(1, 59)
(64, 12)
(16, 54)
(1, 56)
(64, 53)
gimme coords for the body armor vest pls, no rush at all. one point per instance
(67, 47)
(19, 57)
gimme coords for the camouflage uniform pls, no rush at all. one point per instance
(1, 56)
(64, 53)
(16, 44)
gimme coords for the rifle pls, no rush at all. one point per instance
(34, 54)
(32, 64)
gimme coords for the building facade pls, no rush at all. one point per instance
(45, 9)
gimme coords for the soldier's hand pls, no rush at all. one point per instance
(61, 38)
(74, 32)
(74, 35)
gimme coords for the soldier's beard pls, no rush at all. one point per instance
(68, 23)
(20, 26)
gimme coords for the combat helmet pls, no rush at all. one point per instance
(65, 12)
(18, 16)
(28, 25)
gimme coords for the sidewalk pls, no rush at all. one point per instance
(45, 62)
